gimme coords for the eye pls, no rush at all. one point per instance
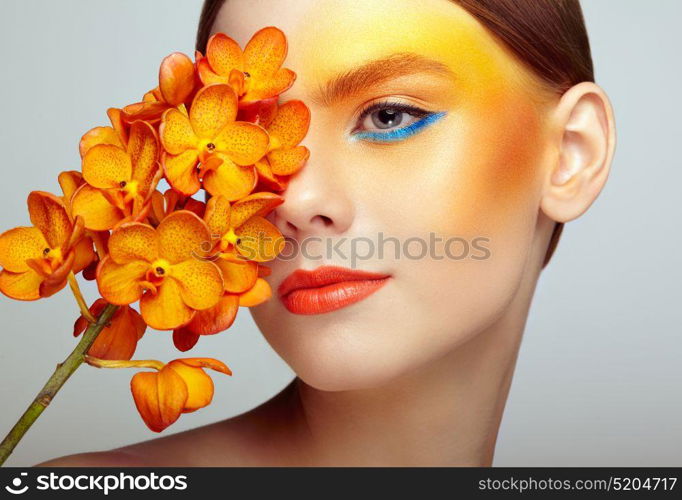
(392, 121)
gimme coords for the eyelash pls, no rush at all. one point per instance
(399, 134)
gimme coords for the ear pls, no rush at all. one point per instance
(584, 129)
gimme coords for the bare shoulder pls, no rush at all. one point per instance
(109, 458)
(174, 449)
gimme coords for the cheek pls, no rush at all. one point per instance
(487, 172)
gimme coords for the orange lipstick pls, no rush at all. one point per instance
(327, 288)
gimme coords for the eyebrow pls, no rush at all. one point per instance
(351, 82)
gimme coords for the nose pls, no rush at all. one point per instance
(315, 203)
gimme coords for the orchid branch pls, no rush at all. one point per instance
(54, 383)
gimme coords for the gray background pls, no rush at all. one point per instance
(599, 374)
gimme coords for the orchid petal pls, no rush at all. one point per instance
(201, 283)
(121, 283)
(49, 214)
(245, 143)
(159, 397)
(165, 309)
(182, 236)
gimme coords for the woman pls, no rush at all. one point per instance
(474, 121)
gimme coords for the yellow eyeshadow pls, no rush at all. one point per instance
(437, 29)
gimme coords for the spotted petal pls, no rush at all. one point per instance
(165, 309)
(182, 236)
(264, 55)
(181, 171)
(106, 166)
(143, 148)
(20, 244)
(121, 283)
(230, 180)
(176, 132)
(95, 208)
(259, 239)
(21, 286)
(49, 214)
(291, 124)
(133, 241)
(255, 204)
(288, 161)
(217, 215)
(213, 107)
(245, 143)
(281, 81)
(224, 54)
(201, 283)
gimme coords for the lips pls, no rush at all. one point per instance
(327, 288)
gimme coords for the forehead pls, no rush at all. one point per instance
(328, 37)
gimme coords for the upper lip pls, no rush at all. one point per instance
(325, 275)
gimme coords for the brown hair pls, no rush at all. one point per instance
(548, 36)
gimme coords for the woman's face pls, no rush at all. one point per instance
(463, 164)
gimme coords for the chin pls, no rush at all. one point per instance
(343, 351)
(330, 352)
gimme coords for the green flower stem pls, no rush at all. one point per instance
(54, 383)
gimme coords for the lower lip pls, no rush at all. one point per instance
(330, 297)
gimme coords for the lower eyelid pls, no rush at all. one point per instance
(401, 133)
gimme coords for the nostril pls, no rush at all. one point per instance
(291, 226)
(326, 220)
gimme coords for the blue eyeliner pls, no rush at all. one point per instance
(401, 133)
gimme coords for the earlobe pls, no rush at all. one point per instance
(585, 132)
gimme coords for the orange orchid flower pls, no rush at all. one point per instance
(118, 340)
(225, 148)
(177, 81)
(286, 128)
(254, 74)
(37, 260)
(240, 229)
(180, 386)
(162, 268)
(120, 175)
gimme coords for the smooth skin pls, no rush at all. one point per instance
(418, 373)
